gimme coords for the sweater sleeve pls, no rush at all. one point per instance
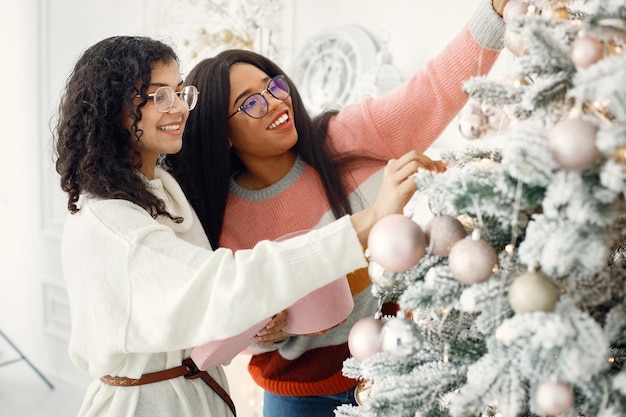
(413, 115)
(135, 287)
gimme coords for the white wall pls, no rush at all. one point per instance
(19, 216)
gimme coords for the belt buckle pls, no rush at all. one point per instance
(192, 368)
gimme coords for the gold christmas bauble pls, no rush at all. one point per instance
(362, 391)
(561, 13)
(531, 292)
(226, 36)
(620, 155)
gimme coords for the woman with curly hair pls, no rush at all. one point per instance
(143, 282)
(270, 170)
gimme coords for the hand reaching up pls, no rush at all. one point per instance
(396, 190)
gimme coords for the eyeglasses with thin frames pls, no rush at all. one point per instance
(164, 97)
(256, 105)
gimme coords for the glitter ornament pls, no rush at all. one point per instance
(364, 337)
(585, 51)
(554, 397)
(442, 232)
(472, 260)
(473, 126)
(531, 292)
(400, 337)
(572, 143)
(473, 123)
(381, 277)
(396, 242)
(496, 118)
(362, 391)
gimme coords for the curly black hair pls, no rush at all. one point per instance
(95, 151)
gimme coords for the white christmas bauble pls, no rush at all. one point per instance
(442, 232)
(364, 337)
(472, 260)
(396, 243)
(572, 143)
(554, 397)
(400, 337)
(381, 277)
(532, 292)
(585, 51)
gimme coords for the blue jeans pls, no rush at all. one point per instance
(313, 406)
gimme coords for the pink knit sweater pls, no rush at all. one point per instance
(410, 117)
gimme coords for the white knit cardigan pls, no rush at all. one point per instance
(144, 291)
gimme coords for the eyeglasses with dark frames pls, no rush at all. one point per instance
(256, 105)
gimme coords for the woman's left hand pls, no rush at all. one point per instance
(273, 332)
(498, 6)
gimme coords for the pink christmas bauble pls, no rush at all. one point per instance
(554, 397)
(472, 260)
(572, 143)
(514, 8)
(396, 243)
(364, 337)
(585, 51)
(514, 42)
(442, 232)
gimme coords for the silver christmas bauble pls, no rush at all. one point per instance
(400, 336)
(473, 125)
(381, 277)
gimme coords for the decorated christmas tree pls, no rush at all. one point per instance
(512, 296)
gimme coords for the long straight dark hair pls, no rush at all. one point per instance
(205, 164)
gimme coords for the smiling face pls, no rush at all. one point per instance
(264, 145)
(162, 132)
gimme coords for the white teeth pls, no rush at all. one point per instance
(282, 119)
(170, 127)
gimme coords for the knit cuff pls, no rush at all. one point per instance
(487, 27)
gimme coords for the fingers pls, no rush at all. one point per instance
(278, 321)
(271, 338)
(273, 331)
(411, 161)
(498, 6)
(398, 185)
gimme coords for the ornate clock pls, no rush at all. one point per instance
(329, 66)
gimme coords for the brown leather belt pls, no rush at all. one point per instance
(188, 369)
